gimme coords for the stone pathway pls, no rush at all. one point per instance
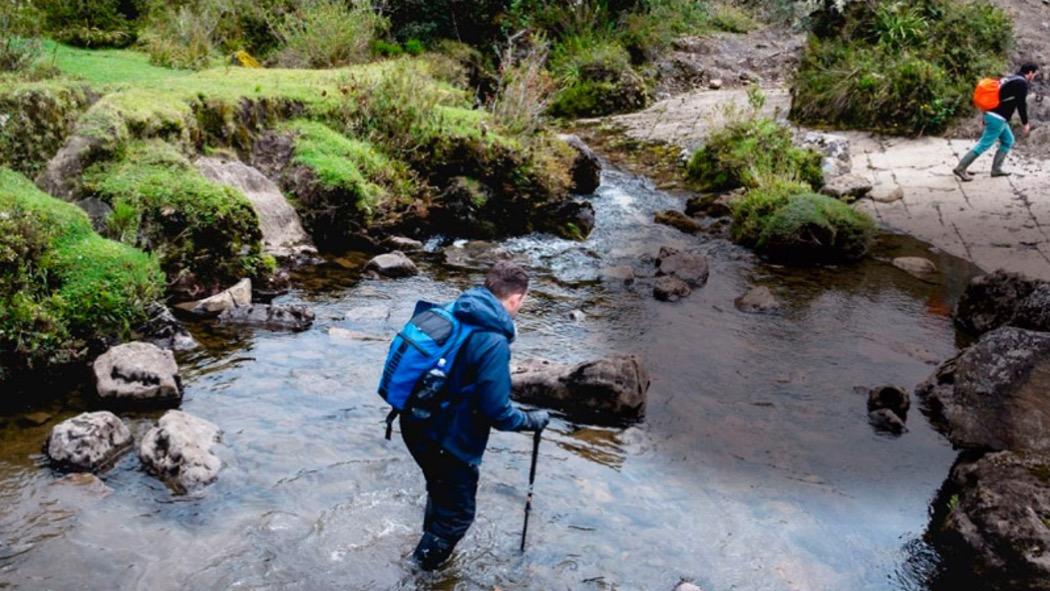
(995, 223)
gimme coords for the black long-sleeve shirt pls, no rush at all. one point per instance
(1013, 96)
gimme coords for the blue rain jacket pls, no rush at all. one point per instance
(479, 381)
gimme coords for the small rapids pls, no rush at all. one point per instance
(755, 467)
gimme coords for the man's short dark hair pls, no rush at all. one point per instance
(1028, 68)
(505, 279)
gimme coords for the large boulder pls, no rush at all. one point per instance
(995, 527)
(393, 264)
(235, 297)
(995, 395)
(88, 442)
(586, 167)
(1001, 299)
(573, 220)
(274, 316)
(605, 391)
(165, 331)
(678, 221)
(137, 374)
(179, 451)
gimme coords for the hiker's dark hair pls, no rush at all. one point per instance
(1028, 68)
(505, 279)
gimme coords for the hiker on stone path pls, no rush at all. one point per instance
(999, 107)
(448, 377)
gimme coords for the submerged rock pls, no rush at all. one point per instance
(239, 295)
(996, 394)
(1004, 299)
(892, 398)
(88, 442)
(573, 220)
(276, 316)
(693, 269)
(995, 527)
(678, 221)
(394, 264)
(402, 244)
(586, 167)
(887, 421)
(670, 289)
(915, 266)
(604, 391)
(759, 299)
(179, 451)
(715, 206)
(139, 374)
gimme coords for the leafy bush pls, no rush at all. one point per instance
(898, 67)
(328, 33)
(20, 44)
(91, 23)
(61, 284)
(750, 151)
(524, 90)
(180, 37)
(732, 19)
(205, 235)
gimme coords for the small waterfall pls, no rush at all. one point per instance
(283, 234)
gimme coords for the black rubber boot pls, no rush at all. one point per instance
(997, 164)
(960, 170)
(432, 551)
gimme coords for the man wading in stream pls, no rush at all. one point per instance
(448, 437)
(1012, 96)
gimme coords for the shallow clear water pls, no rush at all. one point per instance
(755, 467)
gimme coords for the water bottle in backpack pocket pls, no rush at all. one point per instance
(418, 363)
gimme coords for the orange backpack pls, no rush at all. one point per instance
(986, 95)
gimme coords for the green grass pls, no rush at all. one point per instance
(62, 284)
(107, 67)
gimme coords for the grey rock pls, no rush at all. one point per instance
(603, 391)
(394, 264)
(138, 374)
(1004, 299)
(274, 316)
(994, 527)
(619, 274)
(98, 210)
(693, 269)
(887, 421)
(847, 186)
(670, 289)
(239, 295)
(915, 266)
(888, 196)
(64, 172)
(687, 586)
(715, 206)
(758, 299)
(88, 442)
(995, 395)
(678, 221)
(835, 150)
(402, 244)
(715, 84)
(179, 451)
(586, 167)
(165, 331)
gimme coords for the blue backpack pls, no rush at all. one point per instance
(421, 355)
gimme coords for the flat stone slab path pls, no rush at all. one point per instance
(995, 223)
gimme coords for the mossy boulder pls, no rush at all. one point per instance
(786, 221)
(205, 235)
(35, 120)
(749, 152)
(63, 288)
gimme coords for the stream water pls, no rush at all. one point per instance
(755, 467)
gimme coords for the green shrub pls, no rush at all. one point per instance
(180, 37)
(751, 212)
(898, 67)
(205, 235)
(732, 19)
(816, 227)
(328, 33)
(525, 87)
(91, 23)
(61, 284)
(750, 151)
(596, 77)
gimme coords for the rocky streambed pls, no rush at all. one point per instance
(750, 464)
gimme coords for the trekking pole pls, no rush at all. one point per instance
(532, 480)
